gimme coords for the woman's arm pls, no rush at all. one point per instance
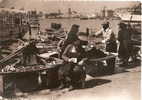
(64, 56)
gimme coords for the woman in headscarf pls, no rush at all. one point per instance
(72, 71)
(71, 37)
(125, 47)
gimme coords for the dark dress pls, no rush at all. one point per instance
(71, 72)
(124, 37)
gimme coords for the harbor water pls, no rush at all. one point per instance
(93, 24)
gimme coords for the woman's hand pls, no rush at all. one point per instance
(81, 62)
(74, 60)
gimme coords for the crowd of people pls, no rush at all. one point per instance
(73, 51)
(76, 49)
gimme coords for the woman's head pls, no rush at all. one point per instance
(74, 28)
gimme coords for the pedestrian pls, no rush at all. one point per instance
(109, 38)
(125, 47)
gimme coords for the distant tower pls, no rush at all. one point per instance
(69, 12)
(104, 12)
(34, 25)
(109, 13)
(59, 11)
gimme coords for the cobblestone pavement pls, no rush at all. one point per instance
(124, 85)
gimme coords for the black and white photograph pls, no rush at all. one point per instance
(70, 49)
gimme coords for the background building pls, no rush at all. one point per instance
(12, 24)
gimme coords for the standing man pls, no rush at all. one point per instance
(108, 37)
(125, 47)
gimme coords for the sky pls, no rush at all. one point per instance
(63, 5)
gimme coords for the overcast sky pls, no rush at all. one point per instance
(78, 5)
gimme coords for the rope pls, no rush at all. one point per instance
(2, 61)
(104, 58)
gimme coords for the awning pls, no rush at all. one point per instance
(135, 18)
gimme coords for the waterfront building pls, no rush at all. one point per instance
(12, 24)
(109, 13)
(33, 20)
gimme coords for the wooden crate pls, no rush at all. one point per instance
(7, 85)
(25, 82)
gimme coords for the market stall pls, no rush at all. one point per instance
(25, 69)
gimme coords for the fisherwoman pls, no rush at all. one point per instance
(72, 71)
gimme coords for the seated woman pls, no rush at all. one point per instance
(72, 72)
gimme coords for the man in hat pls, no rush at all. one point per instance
(108, 37)
(124, 38)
